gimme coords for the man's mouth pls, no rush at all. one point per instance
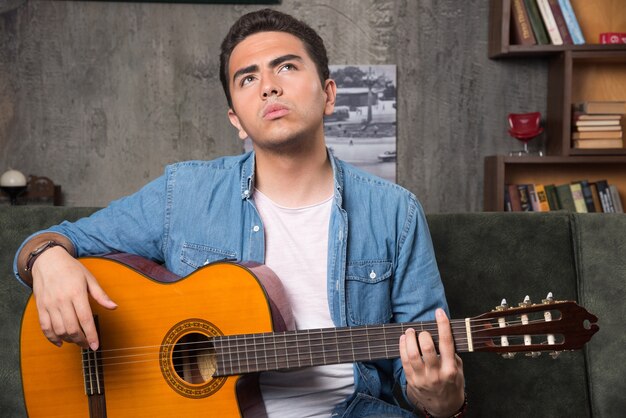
(274, 111)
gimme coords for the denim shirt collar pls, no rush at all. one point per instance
(247, 176)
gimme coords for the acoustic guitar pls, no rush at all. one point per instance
(194, 346)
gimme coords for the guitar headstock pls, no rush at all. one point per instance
(551, 325)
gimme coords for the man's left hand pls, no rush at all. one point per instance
(434, 382)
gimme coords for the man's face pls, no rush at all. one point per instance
(278, 100)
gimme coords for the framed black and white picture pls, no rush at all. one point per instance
(362, 129)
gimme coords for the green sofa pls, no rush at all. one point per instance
(483, 258)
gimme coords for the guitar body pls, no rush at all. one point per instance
(139, 376)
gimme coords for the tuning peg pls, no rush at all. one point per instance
(548, 299)
(533, 354)
(503, 305)
(526, 302)
(508, 356)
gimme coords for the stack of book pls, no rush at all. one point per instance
(598, 124)
(545, 22)
(580, 196)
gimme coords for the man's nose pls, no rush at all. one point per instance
(271, 88)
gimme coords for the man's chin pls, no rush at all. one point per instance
(282, 145)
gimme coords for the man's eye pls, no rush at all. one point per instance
(288, 67)
(247, 79)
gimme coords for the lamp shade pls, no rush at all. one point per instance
(13, 178)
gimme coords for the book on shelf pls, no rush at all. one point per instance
(597, 204)
(597, 135)
(523, 32)
(598, 122)
(548, 20)
(611, 107)
(577, 196)
(538, 199)
(605, 196)
(560, 22)
(553, 198)
(572, 22)
(566, 200)
(515, 204)
(602, 128)
(598, 143)
(585, 188)
(580, 116)
(524, 198)
(616, 199)
(541, 36)
(542, 198)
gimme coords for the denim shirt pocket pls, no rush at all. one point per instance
(369, 292)
(198, 255)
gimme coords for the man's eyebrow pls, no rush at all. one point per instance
(289, 57)
(249, 69)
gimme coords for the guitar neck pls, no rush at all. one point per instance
(249, 353)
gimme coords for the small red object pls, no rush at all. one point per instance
(613, 38)
(525, 126)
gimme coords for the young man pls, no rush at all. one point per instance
(350, 249)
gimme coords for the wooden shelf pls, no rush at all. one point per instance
(502, 170)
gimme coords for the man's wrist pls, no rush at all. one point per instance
(34, 248)
(34, 255)
(459, 414)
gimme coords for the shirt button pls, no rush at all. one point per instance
(372, 275)
(255, 228)
(246, 193)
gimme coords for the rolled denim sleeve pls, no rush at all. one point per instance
(134, 224)
(417, 290)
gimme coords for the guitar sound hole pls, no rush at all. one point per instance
(194, 358)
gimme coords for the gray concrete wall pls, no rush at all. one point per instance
(99, 96)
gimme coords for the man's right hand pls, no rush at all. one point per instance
(62, 286)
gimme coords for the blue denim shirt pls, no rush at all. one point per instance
(381, 264)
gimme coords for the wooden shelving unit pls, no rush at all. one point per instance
(576, 73)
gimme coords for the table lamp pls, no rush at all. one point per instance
(13, 183)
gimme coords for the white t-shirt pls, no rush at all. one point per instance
(296, 249)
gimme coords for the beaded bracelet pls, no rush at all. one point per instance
(459, 414)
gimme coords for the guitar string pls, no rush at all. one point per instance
(351, 339)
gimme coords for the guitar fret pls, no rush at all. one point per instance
(308, 334)
(297, 350)
(323, 347)
(367, 342)
(230, 355)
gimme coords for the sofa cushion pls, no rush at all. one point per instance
(600, 241)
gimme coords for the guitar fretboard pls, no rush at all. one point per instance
(249, 353)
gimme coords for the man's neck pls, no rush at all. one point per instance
(295, 179)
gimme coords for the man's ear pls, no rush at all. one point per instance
(234, 120)
(330, 88)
